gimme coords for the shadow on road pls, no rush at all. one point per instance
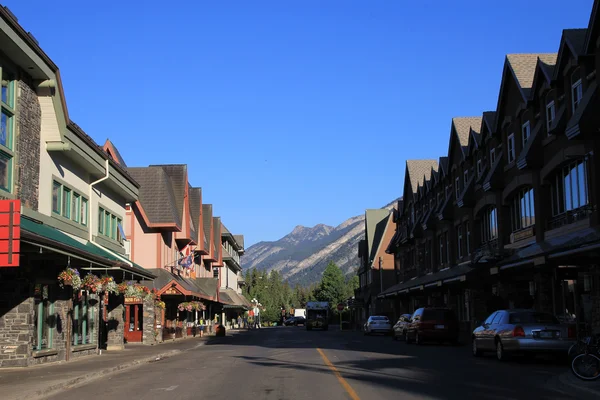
(433, 371)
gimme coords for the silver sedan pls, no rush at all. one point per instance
(521, 331)
(378, 324)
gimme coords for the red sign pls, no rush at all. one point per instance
(341, 307)
(10, 232)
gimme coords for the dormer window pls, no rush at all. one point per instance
(492, 156)
(525, 133)
(511, 148)
(457, 187)
(576, 90)
(550, 115)
(479, 167)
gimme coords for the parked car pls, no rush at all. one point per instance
(400, 326)
(378, 324)
(432, 324)
(522, 331)
(294, 321)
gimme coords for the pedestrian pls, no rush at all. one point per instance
(239, 322)
(201, 328)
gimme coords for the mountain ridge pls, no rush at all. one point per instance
(302, 255)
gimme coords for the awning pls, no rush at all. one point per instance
(207, 287)
(168, 283)
(439, 278)
(230, 299)
(48, 237)
(555, 245)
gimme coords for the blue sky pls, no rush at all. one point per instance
(287, 112)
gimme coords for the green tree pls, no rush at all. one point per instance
(333, 287)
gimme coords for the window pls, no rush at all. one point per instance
(550, 115)
(525, 133)
(489, 225)
(68, 203)
(457, 187)
(84, 323)
(215, 272)
(492, 156)
(511, 147)
(56, 197)
(459, 241)
(120, 236)
(522, 210)
(43, 310)
(569, 188)
(466, 177)
(442, 256)
(576, 89)
(84, 211)
(66, 211)
(108, 224)
(7, 122)
(479, 168)
(468, 237)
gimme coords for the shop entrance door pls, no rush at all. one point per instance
(133, 322)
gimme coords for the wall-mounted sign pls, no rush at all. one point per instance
(133, 300)
(172, 290)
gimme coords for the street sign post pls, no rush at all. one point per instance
(340, 308)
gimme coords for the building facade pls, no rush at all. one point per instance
(509, 218)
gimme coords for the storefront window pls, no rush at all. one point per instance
(43, 317)
(84, 325)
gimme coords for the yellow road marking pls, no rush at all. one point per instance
(339, 376)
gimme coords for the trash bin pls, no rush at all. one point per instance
(220, 331)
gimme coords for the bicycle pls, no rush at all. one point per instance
(586, 364)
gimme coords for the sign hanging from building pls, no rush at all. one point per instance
(10, 232)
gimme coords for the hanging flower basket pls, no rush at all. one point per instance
(70, 277)
(90, 283)
(107, 284)
(191, 306)
(160, 304)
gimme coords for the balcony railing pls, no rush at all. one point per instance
(570, 217)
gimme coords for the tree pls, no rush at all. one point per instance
(332, 288)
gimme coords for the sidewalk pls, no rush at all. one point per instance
(38, 382)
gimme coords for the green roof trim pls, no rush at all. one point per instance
(47, 235)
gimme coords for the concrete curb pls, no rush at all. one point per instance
(591, 389)
(91, 376)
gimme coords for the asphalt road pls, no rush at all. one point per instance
(291, 363)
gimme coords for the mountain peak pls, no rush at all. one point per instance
(298, 229)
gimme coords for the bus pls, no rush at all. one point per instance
(317, 315)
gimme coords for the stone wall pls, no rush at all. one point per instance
(116, 325)
(150, 335)
(16, 320)
(27, 146)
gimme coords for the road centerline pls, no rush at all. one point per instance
(339, 376)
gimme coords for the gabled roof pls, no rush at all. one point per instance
(195, 205)
(443, 165)
(156, 197)
(240, 240)
(113, 152)
(417, 170)
(521, 69)
(178, 179)
(572, 43)
(375, 220)
(207, 214)
(544, 71)
(461, 130)
(593, 28)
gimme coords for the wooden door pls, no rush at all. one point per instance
(133, 322)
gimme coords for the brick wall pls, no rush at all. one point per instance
(27, 146)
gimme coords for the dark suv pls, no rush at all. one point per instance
(433, 324)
